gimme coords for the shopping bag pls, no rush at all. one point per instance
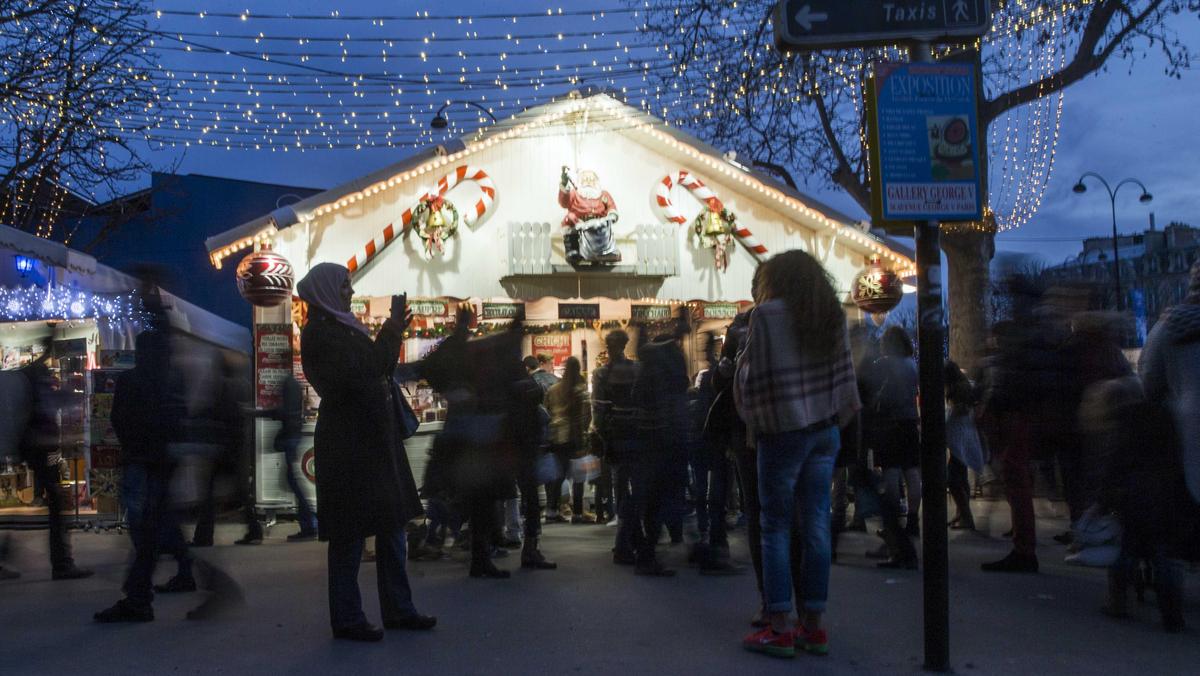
(585, 469)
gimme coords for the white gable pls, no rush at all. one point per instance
(523, 159)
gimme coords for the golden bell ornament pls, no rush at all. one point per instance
(714, 225)
(436, 220)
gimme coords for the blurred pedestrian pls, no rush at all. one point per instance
(570, 419)
(618, 422)
(660, 469)
(364, 484)
(40, 450)
(1170, 371)
(491, 427)
(290, 414)
(1027, 384)
(891, 384)
(795, 385)
(962, 438)
(710, 468)
(146, 418)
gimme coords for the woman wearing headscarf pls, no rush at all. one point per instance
(364, 484)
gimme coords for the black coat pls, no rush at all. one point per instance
(364, 483)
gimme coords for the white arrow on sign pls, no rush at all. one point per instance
(806, 17)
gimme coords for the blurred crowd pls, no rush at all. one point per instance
(793, 418)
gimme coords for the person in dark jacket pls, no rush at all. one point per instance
(364, 484)
(145, 417)
(491, 435)
(38, 447)
(617, 420)
(893, 429)
(660, 392)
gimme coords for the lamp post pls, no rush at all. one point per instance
(440, 121)
(1146, 197)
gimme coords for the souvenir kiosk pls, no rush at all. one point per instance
(86, 314)
(584, 215)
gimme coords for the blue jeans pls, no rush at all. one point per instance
(304, 511)
(796, 468)
(395, 596)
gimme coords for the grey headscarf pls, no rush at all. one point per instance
(322, 287)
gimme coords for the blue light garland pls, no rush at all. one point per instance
(62, 303)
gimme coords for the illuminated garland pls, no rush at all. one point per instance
(61, 303)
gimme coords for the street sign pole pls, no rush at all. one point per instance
(930, 342)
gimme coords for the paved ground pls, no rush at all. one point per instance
(589, 617)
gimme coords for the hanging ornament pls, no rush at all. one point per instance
(714, 230)
(264, 278)
(435, 219)
(877, 289)
(712, 205)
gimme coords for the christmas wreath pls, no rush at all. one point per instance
(436, 220)
(714, 230)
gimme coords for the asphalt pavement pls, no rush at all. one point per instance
(588, 617)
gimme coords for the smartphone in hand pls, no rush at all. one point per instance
(399, 305)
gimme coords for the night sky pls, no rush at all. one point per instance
(1118, 123)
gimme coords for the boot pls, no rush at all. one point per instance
(486, 569)
(1117, 604)
(532, 557)
(1168, 588)
(571, 248)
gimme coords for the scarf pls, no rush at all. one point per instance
(322, 288)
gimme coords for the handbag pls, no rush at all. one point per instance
(406, 420)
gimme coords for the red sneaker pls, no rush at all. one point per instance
(771, 643)
(812, 642)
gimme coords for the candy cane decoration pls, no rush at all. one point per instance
(662, 194)
(445, 185)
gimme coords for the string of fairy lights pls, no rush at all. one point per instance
(283, 81)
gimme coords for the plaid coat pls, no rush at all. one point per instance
(780, 389)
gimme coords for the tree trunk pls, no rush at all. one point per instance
(969, 254)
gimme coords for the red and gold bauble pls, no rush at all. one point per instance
(265, 278)
(877, 289)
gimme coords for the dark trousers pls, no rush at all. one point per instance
(710, 467)
(304, 511)
(531, 509)
(206, 520)
(1018, 441)
(481, 510)
(652, 477)
(153, 527)
(46, 482)
(395, 595)
(959, 484)
(605, 507)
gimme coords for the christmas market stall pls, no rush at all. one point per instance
(87, 315)
(583, 215)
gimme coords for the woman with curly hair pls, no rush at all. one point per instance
(794, 388)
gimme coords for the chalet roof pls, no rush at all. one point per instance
(605, 109)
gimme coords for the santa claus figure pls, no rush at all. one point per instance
(588, 225)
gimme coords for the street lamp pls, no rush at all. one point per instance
(1146, 197)
(440, 121)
